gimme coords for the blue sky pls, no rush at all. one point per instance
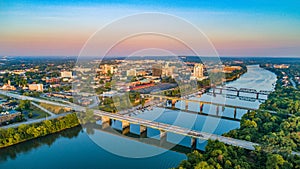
(240, 28)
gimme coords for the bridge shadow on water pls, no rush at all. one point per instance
(142, 138)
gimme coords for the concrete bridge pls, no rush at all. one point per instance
(126, 121)
(241, 90)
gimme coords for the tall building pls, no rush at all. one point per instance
(66, 74)
(107, 68)
(156, 70)
(198, 70)
(36, 87)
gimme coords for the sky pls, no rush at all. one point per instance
(234, 27)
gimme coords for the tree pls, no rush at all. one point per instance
(87, 117)
(274, 161)
(203, 165)
(24, 104)
(30, 115)
(143, 102)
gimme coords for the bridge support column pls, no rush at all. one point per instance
(221, 90)
(214, 90)
(235, 110)
(193, 143)
(143, 131)
(217, 110)
(106, 122)
(105, 119)
(173, 103)
(223, 108)
(125, 124)
(257, 95)
(201, 107)
(248, 111)
(163, 137)
(186, 105)
(125, 127)
(105, 125)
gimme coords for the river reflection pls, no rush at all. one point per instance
(13, 152)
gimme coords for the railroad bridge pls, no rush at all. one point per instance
(241, 90)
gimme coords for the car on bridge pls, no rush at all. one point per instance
(195, 133)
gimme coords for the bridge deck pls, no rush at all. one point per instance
(178, 130)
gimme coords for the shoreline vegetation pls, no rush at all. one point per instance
(26, 132)
(273, 132)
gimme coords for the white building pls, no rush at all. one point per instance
(131, 72)
(36, 87)
(66, 74)
(198, 70)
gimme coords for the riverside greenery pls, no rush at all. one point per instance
(278, 135)
(26, 132)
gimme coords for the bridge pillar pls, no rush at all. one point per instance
(221, 90)
(257, 95)
(217, 110)
(223, 108)
(186, 105)
(248, 111)
(235, 110)
(201, 107)
(193, 143)
(214, 90)
(105, 125)
(125, 127)
(238, 93)
(163, 137)
(143, 131)
(125, 124)
(105, 119)
(173, 103)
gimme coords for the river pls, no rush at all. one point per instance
(75, 149)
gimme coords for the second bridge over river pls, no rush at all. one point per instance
(174, 100)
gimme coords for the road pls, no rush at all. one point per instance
(21, 97)
(42, 108)
(31, 121)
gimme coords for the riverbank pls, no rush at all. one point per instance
(25, 132)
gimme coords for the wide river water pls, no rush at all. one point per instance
(76, 149)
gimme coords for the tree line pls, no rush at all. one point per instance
(26, 132)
